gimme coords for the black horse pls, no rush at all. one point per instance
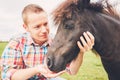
(76, 17)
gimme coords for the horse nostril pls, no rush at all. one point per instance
(49, 63)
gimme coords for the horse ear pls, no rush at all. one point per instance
(83, 3)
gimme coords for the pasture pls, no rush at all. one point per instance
(2, 46)
(91, 68)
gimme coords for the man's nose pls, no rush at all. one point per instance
(43, 29)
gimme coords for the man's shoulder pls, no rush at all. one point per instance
(20, 36)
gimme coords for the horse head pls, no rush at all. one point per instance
(69, 17)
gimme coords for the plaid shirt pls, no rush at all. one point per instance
(21, 53)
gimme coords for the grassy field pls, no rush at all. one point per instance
(91, 68)
(2, 46)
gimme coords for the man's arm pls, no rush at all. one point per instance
(87, 45)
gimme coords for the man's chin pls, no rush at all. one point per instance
(44, 40)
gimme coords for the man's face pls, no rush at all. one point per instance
(37, 25)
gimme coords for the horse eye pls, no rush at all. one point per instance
(69, 26)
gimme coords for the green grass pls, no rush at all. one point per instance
(2, 46)
(91, 68)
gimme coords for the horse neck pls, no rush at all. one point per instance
(106, 31)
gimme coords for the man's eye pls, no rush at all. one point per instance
(45, 24)
(37, 26)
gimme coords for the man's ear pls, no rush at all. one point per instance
(25, 27)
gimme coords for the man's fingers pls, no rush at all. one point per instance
(91, 37)
(56, 74)
(79, 45)
(87, 42)
(85, 45)
(87, 38)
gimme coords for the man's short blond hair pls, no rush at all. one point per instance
(31, 8)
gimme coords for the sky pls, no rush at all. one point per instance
(10, 15)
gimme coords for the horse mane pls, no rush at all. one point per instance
(111, 11)
(66, 9)
(63, 9)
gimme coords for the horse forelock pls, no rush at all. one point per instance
(65, 10)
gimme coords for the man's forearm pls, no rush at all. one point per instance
(24, 74)
(75, 64)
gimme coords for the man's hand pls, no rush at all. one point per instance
(43, 69)
(88, 44)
